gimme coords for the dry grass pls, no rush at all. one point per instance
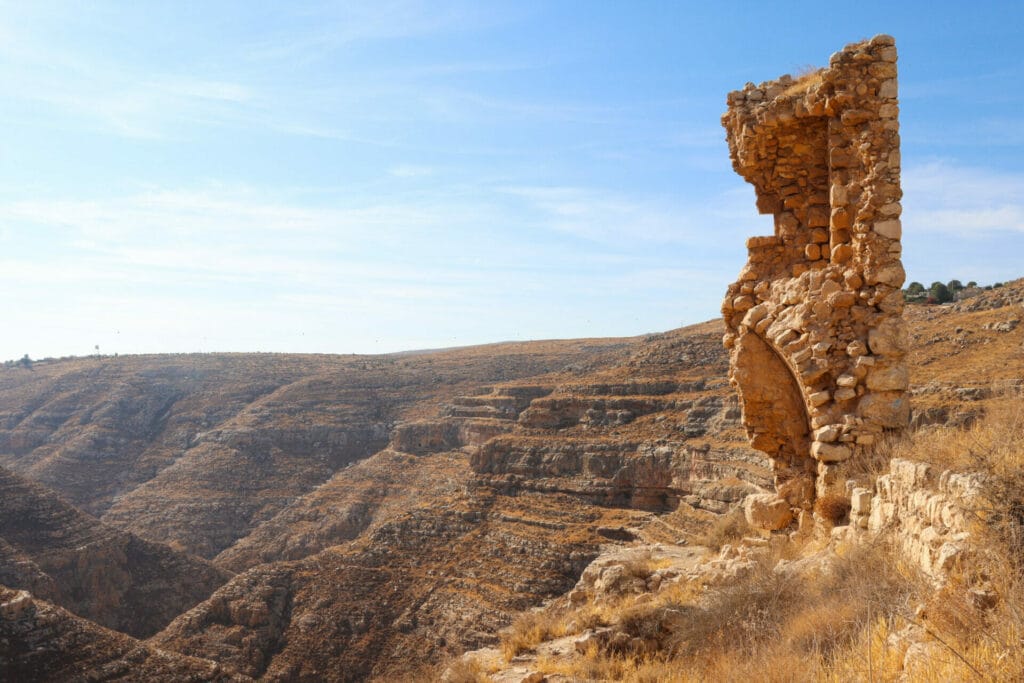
(833, 507)
(462, 671)
(531, 629)
(978, 618)
(769, 626)
(806, 77)
(728, 528)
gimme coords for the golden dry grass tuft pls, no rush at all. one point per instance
(460, 671)
(531, 629)
(833, 507)
(772, 625)
(806, 77)
(728, 528)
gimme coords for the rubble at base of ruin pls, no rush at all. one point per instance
(815, 321)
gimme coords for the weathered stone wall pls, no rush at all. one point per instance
(927, 514)
(815, 326)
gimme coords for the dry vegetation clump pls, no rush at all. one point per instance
(806, 77)
(833, 507)
(863, 616)
(531, 629)
(867, 465)
(459, 671)
(535, 627)
(728, 528)
(978, 617)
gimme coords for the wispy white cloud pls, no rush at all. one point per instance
(328, 27)
(946, 197)
(271, 85)
(411, 171)
(620, 219)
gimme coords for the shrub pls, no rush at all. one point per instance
(833, 508)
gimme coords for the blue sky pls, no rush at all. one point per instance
(372, 177)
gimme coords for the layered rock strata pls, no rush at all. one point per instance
(814, 322)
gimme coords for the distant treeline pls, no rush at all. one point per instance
(940, 293)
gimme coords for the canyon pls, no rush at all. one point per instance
(352, 518)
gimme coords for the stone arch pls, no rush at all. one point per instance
(774, 411)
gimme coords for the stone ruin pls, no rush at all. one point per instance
(814, 323)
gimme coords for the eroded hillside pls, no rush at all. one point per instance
(386, 514)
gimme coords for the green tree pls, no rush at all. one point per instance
(939, 293)
(954, 286)
(915, 288)
(972, 283)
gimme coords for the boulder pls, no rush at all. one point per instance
(767, 511)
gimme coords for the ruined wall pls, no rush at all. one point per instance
(928, 514)
(814, 322)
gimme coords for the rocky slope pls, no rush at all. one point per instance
(94, 570)
(156, 444)
(42, 642)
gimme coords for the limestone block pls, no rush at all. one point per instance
(889, 338)
(888, 378)
(890, 209)
(838, 195)
(891, 274)
(828, 433)
(767, 511)
(742, 303)
(755, 314)
(911, 475)
(827, 452)
(888, 111)
(842, 299)
(889, 228)
(819, 398)
(830, 287)
(845, 394)
(888, 89)
(860, 501)
(842, 253)
(947, 556)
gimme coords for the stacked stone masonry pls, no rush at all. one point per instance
(814, 322)
(928, 515)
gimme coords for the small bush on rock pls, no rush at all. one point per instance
(834, 508)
